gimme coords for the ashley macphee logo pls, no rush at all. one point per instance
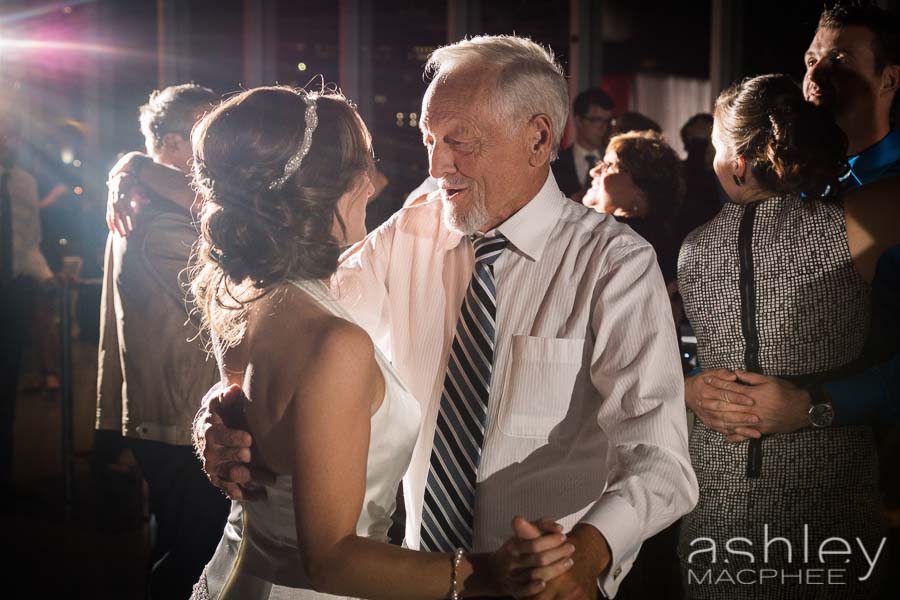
(777, 559)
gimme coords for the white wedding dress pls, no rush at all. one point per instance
(258, 557)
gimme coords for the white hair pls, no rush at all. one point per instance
(529, 81)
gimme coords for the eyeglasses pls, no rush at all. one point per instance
(610, 167)
(597, 120)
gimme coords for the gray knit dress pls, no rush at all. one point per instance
(770, 287)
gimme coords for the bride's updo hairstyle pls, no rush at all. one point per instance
(790, 145)
(270, 165)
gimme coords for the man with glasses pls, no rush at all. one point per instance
(593, 120)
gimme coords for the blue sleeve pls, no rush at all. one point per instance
(870, 397)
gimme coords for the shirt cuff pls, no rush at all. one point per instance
(617, 521)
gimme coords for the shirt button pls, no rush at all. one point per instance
(617, 572)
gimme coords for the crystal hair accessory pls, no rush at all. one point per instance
(293, 163)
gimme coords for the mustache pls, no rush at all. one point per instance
(453, 182)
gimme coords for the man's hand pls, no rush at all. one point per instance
(535, 554)
(780, 406)
(224, 446)
(719, 402)
(128, 163)
(590, 560)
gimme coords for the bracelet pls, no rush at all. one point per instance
(455, 560)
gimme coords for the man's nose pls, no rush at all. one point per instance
(441, 161)
(819, 72)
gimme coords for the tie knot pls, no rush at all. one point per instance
(488, 249)
(591, 160)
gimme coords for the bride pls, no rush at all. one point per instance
(284, 179)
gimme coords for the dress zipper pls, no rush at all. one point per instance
(748, 321)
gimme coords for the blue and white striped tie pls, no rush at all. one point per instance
(447, 513)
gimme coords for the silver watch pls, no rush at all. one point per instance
(821, 410)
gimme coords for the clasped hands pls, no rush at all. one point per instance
(537, 561)
(743, 405)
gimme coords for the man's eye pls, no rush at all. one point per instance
(810, 62)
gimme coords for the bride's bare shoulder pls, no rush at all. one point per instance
(289, 326)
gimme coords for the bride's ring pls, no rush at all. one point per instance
(725, 397)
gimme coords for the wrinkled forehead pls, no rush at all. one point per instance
(461, 93)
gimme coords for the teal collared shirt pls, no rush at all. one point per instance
(873, 163)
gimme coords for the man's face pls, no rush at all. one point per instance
(481, 165)
(592, 130)
(840, 72)
(175, 149)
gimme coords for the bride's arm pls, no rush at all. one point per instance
(331, 427)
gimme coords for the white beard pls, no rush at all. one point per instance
(465, 221)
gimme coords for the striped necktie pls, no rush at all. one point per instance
(447, 514)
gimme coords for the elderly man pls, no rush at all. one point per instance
(554, 388)
(152, 367)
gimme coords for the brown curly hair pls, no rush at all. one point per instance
(790, 145)
(654, 167)
(253, 238)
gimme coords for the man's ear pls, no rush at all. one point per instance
(540, 139)
(890, 79)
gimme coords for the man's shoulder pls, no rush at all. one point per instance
(422, 217)
(598, 232)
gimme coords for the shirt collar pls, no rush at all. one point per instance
(528, 230)
(869, 164)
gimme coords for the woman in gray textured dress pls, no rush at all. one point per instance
(778, 284)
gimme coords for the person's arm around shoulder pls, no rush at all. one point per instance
(134, 171)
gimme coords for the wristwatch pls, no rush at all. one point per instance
(821, 410)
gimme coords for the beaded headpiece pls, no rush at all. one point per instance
(293, 163)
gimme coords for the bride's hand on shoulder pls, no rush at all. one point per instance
(536, 553)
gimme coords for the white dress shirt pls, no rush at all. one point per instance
(28, 260)
(586, 418)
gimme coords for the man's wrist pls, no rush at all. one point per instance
(821, 409)
(591, 545)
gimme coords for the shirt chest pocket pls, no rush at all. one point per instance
(538, 390)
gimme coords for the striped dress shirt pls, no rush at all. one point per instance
(586, 418)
